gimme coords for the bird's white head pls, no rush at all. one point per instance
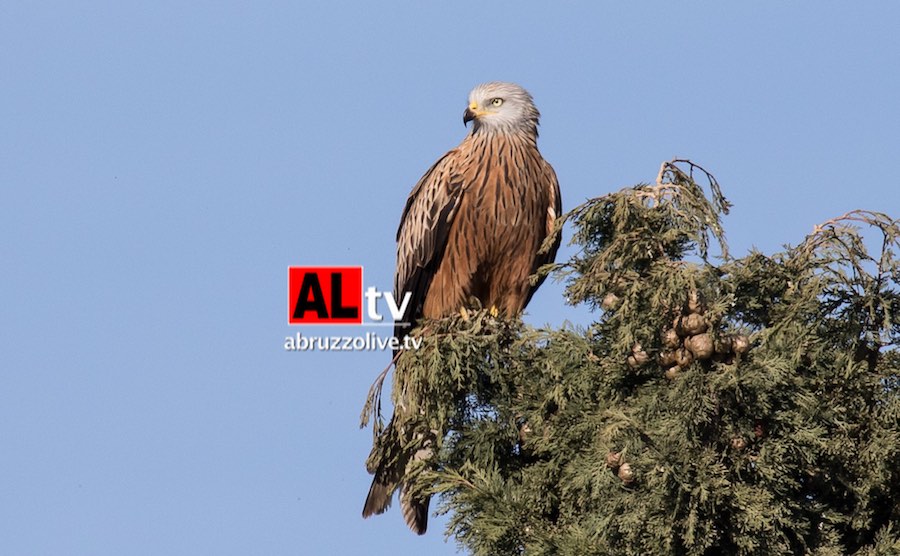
(501, 107)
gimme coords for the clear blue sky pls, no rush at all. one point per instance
(162, 164)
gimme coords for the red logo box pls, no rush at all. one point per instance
(325, 295)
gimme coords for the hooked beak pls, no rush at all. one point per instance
(468, 116)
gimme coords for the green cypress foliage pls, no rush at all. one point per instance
(715, 406)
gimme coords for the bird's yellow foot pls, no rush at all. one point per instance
(464, 313)
(495, 312)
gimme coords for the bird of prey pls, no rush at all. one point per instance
(473, 227)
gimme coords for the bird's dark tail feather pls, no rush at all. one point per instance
(415, 512)
(379, 498)
(391, 474)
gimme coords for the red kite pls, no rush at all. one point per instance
(473, 228)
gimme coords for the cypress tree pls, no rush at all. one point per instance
(717, 405)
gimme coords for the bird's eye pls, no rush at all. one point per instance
(497, 102)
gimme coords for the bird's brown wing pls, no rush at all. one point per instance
(554, 211)
(421, 239)
(422, 235)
